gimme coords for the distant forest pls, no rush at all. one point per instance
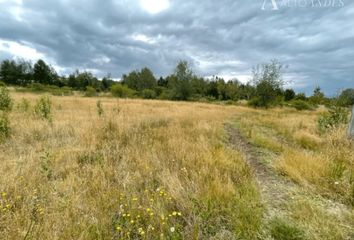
(266, 88)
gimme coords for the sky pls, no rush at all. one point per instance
(314, 38)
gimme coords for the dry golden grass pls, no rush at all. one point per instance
(143, 170)
(321, 165)
(163, 170)
(321, 161)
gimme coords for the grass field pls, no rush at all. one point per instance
(165, 170)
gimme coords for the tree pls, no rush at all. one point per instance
(147, 79)
(221, 85)
(180, 82)
(44, 74)
(212, 89)
(162, 82)
(199, 87)
(131, 80)
(318, 96)
(232, 87)
(140, 80)
(246, 91)
(9, 72)
(16, 73)
(289, 94)
(346, 98)
(72, 80)
(107, 82)
(268, 81)
(301, 96)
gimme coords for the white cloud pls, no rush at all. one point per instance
(143, 38)
(154, 6)
(20, 50)
(102, 60)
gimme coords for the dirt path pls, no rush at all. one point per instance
(275, 189)
(285, 199)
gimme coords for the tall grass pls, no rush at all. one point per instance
(321, 164)
(152, 170)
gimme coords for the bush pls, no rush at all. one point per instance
(119, 90)
(346, 98)
(43, 108)
(63, 91)
(99, 108)
(148, 94)
(289, 95)
(333, 118)
(5, 100)
(40, 88)
(4, 127)
(256, 102)
(165, 94)
(47, 165)
(90, 92)
(36, 87)
(282, 230)
(301, 105)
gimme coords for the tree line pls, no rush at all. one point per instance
(266, 88)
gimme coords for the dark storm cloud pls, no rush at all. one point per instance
(218, 37)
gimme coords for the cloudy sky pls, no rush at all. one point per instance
(218, 37)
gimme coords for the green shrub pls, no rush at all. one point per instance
(301, 105)
(63, 91)
(99, 108)
(90, 92)
(148, 94)
(5, 100)
(40, 88)
(36, 87)
(4, 127)
(332, 119)
(47, 165)
(165, 94)
(90, 158)
(256, 102)
(283, 230)
(43, 108)
(119, 90)
(24, 105)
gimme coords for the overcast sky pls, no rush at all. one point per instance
(218, 37)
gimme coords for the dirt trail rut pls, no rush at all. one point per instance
(274, 189)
